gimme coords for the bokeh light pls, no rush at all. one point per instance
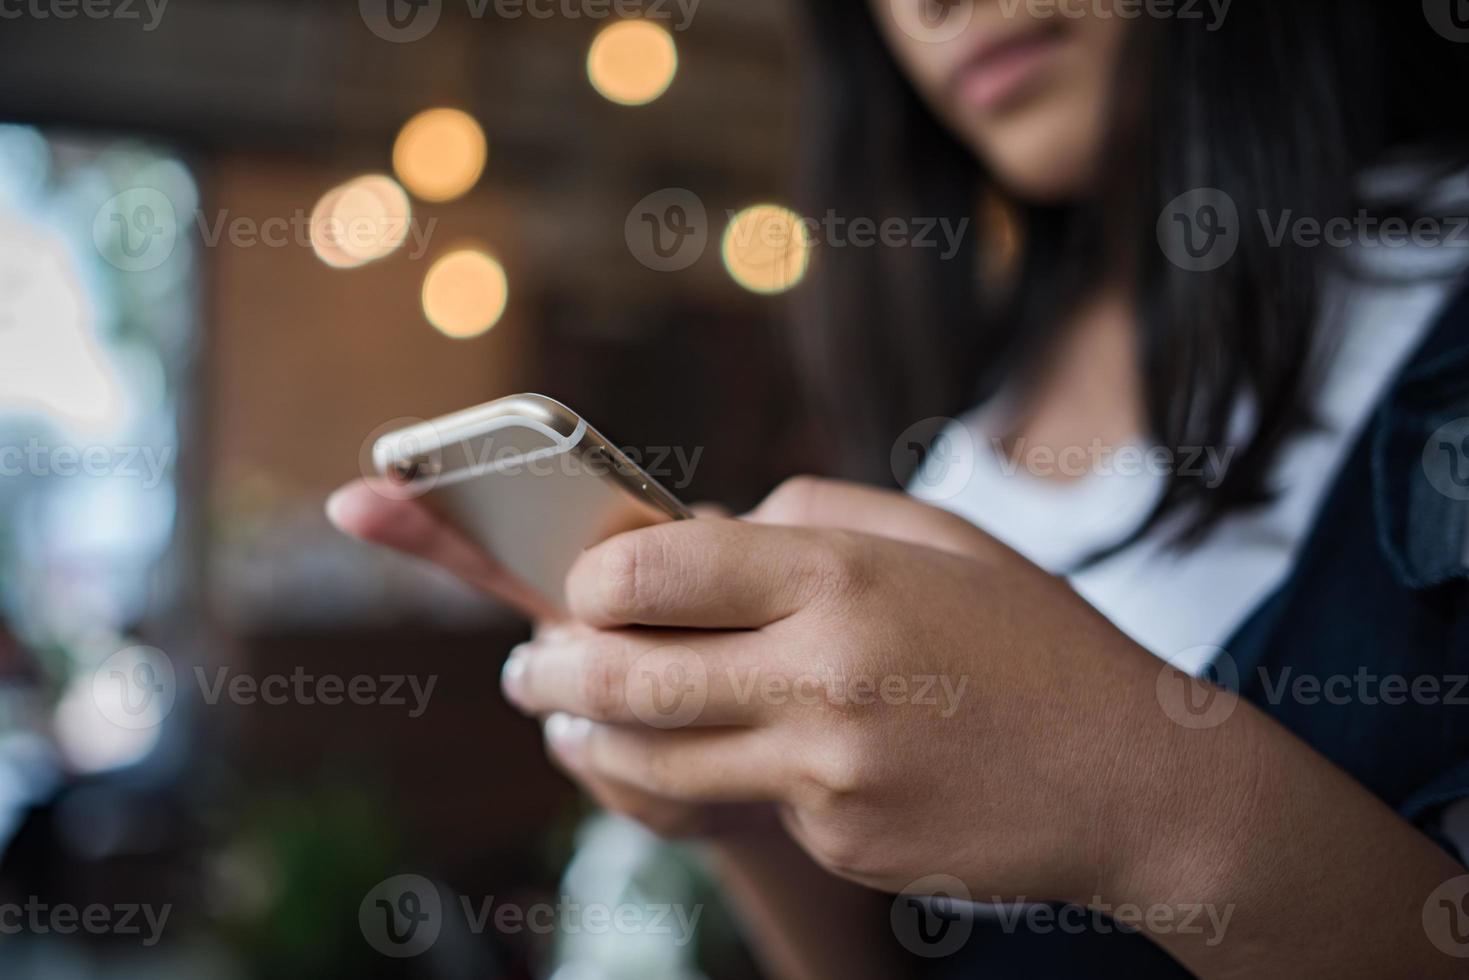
(361, 221)
(440, 154)
(632, 62)
(464, 293)
(324, 233)
(51, 353)
(767, 248)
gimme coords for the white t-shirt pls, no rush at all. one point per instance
(1182, 605)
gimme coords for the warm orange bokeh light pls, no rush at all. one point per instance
(767, 248)
(440, 154)
(465, 293)
(324, 233)
(360, 221)
(632, 62)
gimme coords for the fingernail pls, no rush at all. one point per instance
(513, 671)
(334, 505)
(567, 736)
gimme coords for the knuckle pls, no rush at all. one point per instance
(847, 836)
(795, 498)
(657, 778)
(617, 586)
(631, 567)
(602, 688)
(842, 569)
(837, 775)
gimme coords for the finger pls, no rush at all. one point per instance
(700, 765)
(807, 501)
(703, 574)
(641, 678)
(372, 511)
(671, 819)
(653, 812)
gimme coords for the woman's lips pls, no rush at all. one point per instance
(998, 72)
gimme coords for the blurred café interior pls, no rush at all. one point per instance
(192, 356)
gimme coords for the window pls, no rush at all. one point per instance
(96, 328)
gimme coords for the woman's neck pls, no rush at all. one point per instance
(1088, 388)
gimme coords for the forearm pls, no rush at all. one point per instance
(1315, 875)
(804, 923)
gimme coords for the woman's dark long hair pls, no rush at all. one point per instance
(1283, 107)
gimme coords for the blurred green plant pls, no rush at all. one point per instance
(291, 873)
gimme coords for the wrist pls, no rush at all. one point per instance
(1186, 829)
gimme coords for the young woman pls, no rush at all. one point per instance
(1211, 369)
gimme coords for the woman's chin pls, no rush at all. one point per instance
(1040, 163)
(1042, 179)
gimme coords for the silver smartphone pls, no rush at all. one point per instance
(527, 479)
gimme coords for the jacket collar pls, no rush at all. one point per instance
(1420, 457)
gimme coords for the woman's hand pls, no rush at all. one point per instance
(921, 702)
(918, 700)
(376, 512)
